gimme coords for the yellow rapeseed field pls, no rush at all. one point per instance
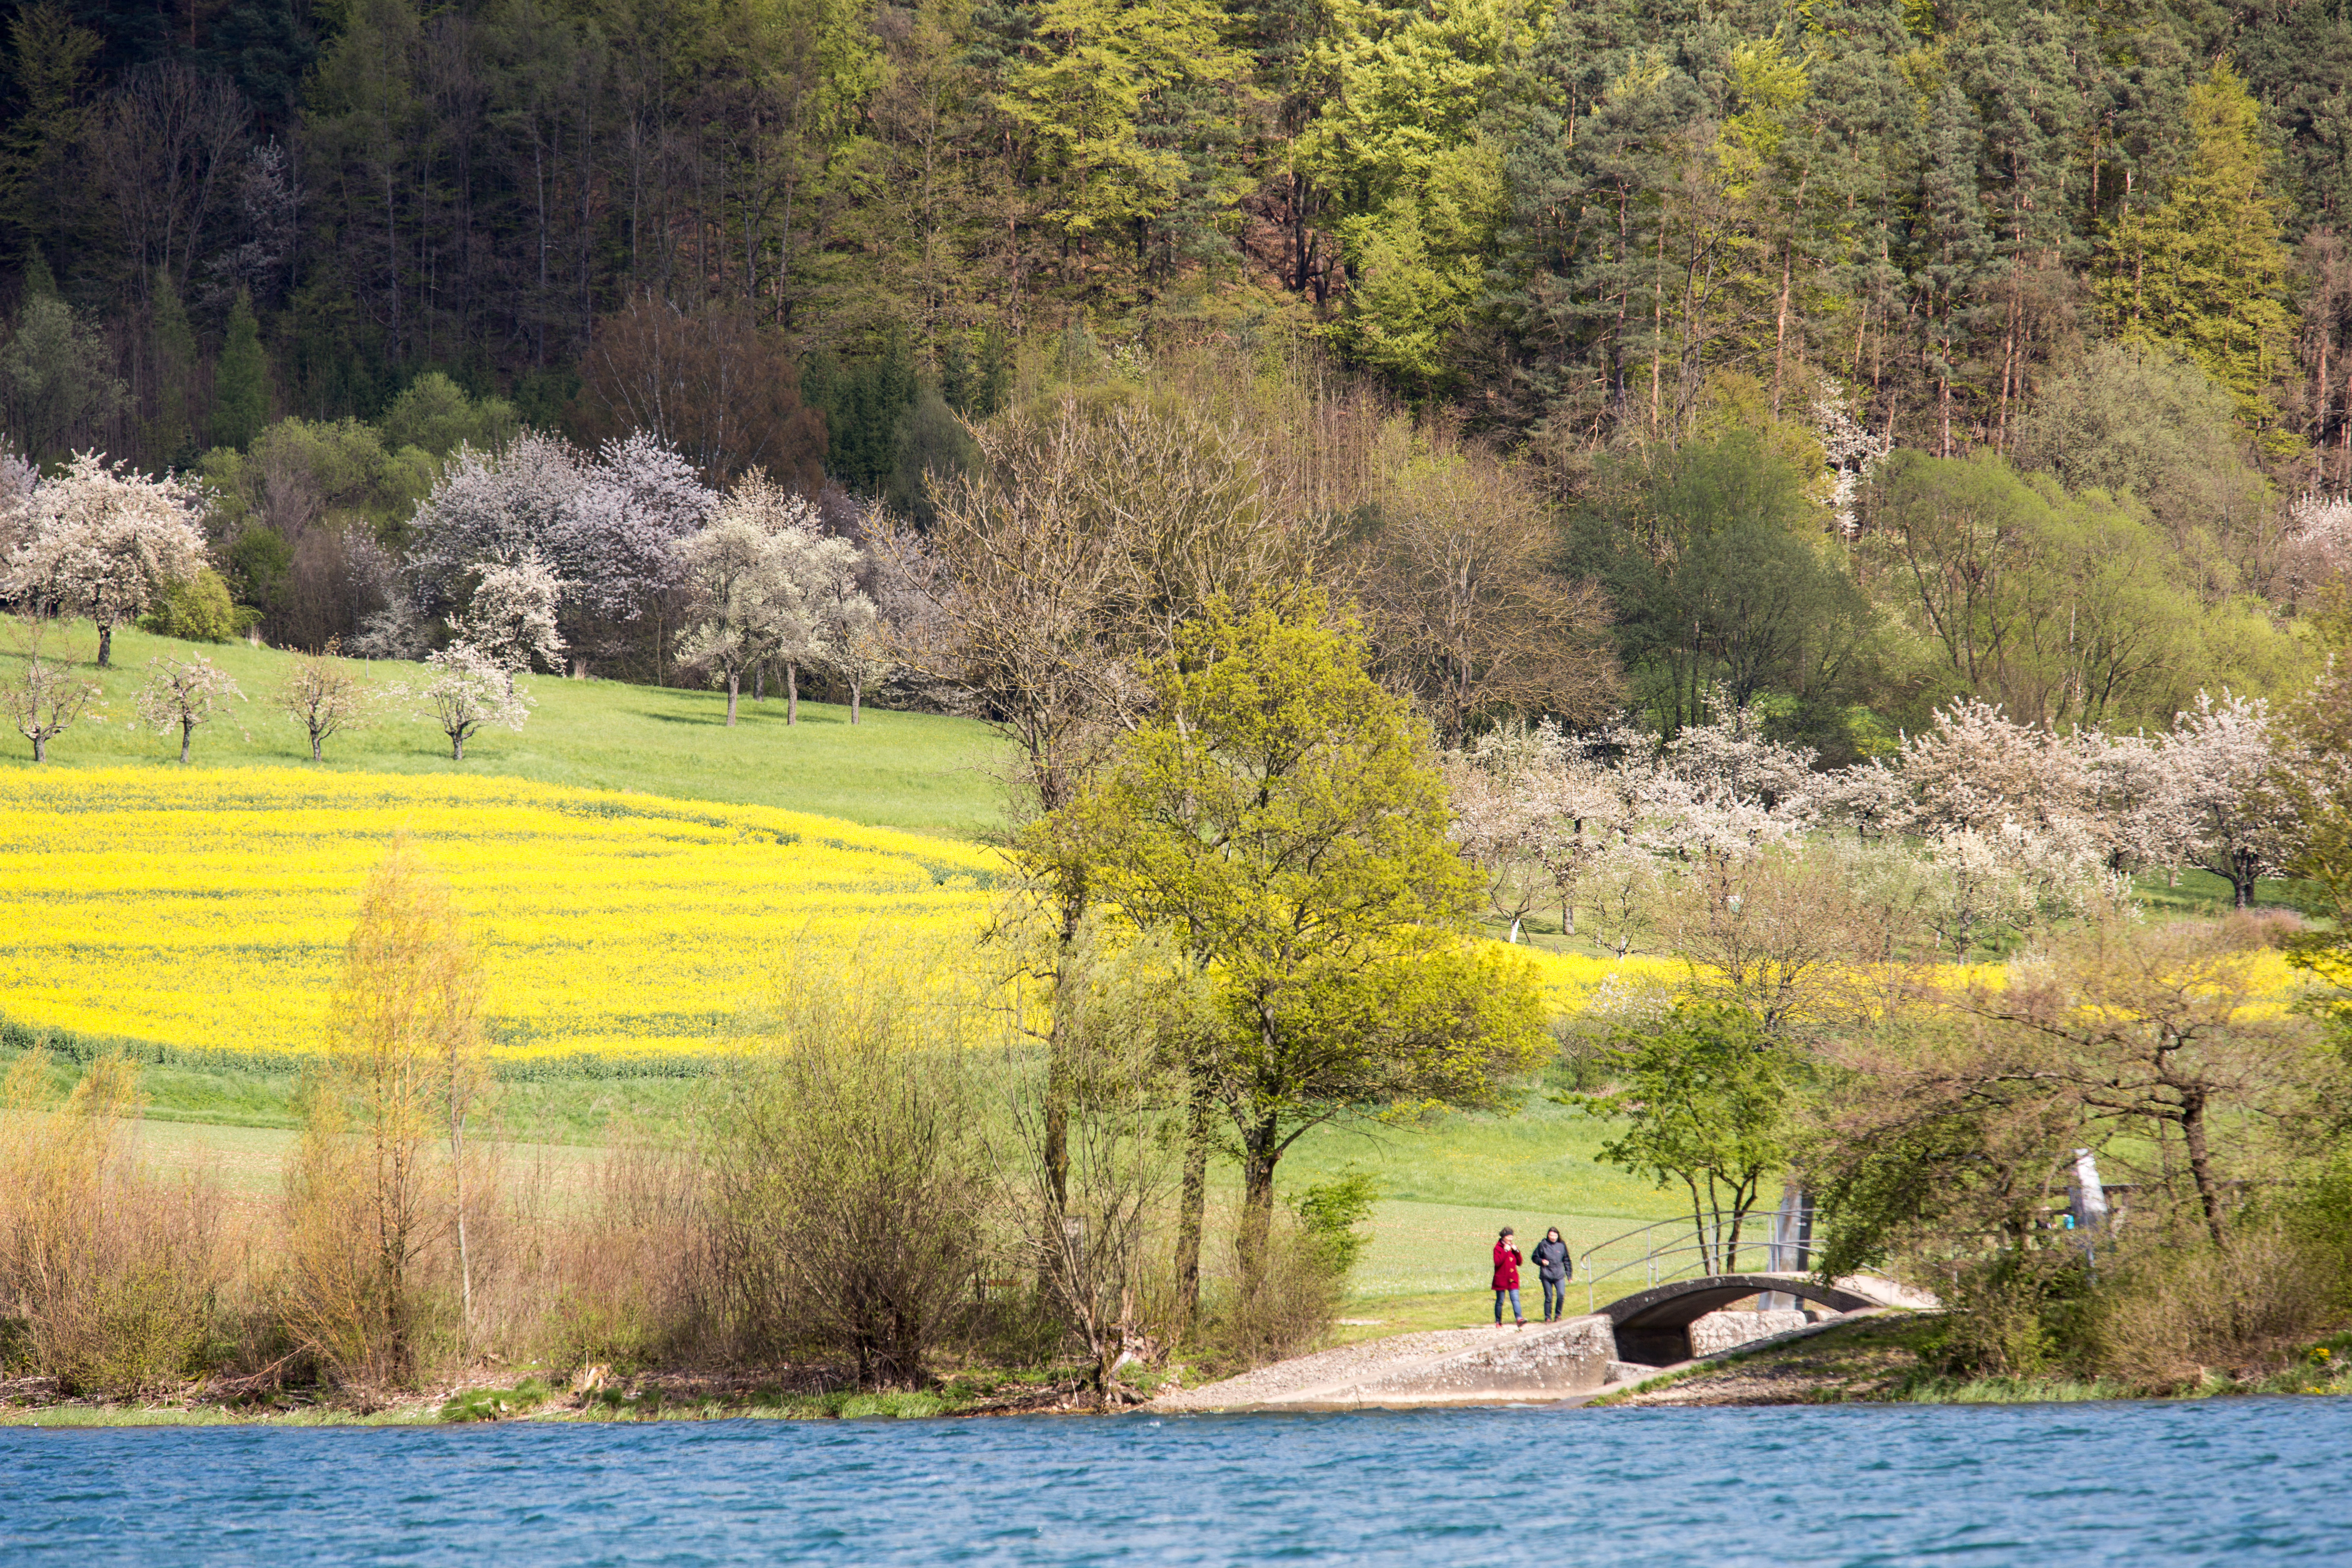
(207, 910)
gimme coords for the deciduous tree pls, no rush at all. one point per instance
(1704, 1099)
(181, 694)
(1282, 816)
(105, 542)
(321, 695)
(45, 696)
(467, 691)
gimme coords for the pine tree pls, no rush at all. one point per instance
(2205, 274)
(39, 282)
(169, 434)
(241, 385)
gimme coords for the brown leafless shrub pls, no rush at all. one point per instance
(2171, 1305)
(1285, 1309)
(629, 1277)
(113, 1271)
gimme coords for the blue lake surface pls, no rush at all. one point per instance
(2221, 1481)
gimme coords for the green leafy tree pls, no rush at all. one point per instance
(1126, 103)
(1283, 817)
(2205, 273)
(241, 385)
(1705, 1103)
(1417, 183)
(1719, 574)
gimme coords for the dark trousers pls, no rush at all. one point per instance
(1555, 1298)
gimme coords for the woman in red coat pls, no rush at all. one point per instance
(1506, 1277)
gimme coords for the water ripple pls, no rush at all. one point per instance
(2151, 1486)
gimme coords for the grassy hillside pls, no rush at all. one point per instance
(920, 771)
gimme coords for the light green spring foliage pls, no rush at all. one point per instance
(1417, 183)
(2205, 273)
(1283, 816)
(2067, 609)
(1704, 1099)
(1101, 99)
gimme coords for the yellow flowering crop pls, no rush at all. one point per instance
(208, 911)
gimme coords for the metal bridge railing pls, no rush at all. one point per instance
(1777, 1241)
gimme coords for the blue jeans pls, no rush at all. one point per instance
(1514, 1295)
(1555, 1298)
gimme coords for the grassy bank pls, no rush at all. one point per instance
(1894, 1360)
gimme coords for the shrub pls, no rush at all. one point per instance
(2168, 1308)
(196, 609)
(111, 1272)
(631, 1281)
(850, 1187)
(1285, 1310)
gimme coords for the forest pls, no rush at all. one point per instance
(1848, 358)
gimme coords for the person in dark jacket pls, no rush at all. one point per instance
(1506, 1277)
(1552, 1266)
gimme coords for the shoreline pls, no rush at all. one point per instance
(1869, 1361)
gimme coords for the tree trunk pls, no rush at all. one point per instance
(314, 747)
(791, 692)
(734, 686)
(105, 643)
(760, 681)
(457, 746)
(187, 735)
(40, 747)
(1259, 1155)
(464, 1255)
(2200, 1164)
(1191, 1204)
(857, 698)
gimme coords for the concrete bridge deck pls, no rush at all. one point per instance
(1544, 1363)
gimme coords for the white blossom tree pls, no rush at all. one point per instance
(2222, 757)
(495, 507)
(182, 694)
(804, 639)
(608, 526)
(18, 480)
(1977, 768)
(323, 697)
(620, 543)
(466, 691)
(46, 697)
(509, 618)
(2140, 813)
(850, 640)
(743, 594)
(104, 541)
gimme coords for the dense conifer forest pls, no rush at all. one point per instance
(1861, 355)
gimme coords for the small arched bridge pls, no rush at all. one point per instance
(1652, 1326)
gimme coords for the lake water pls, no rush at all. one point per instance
(2223, 1481)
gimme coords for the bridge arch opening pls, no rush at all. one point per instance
(1652, 1326)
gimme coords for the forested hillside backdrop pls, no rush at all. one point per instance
(1856, 357)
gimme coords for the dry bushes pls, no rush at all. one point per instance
(110, 1276)
(850, 1193)
(2168, 1309)
(629, 1281)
